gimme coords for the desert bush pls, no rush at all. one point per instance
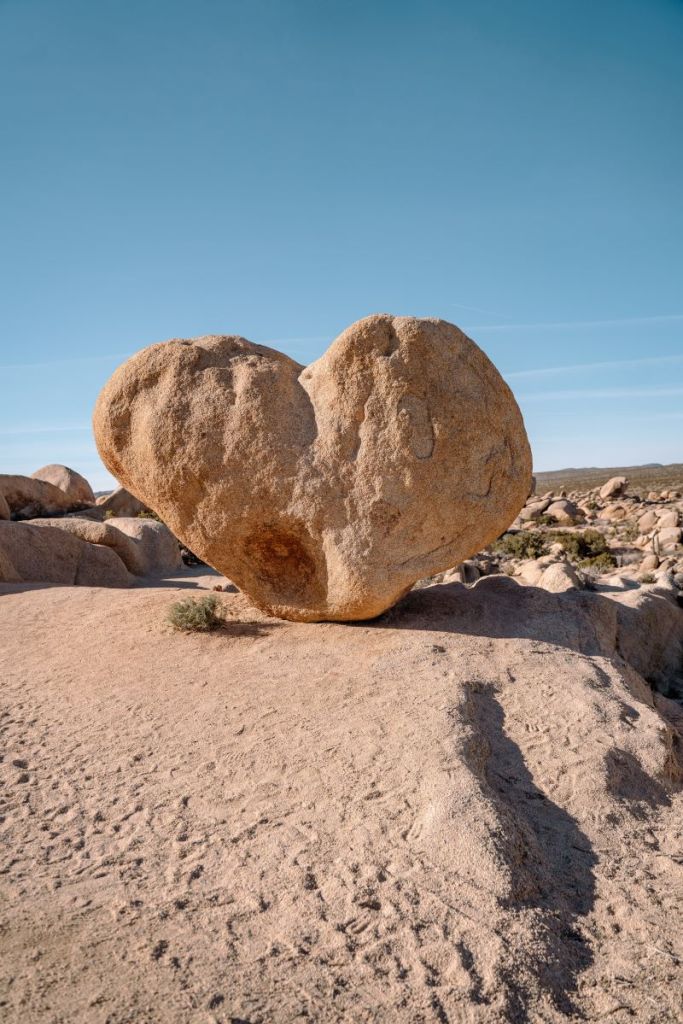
(520, 545)
(192, 615)
(546, 521)
(587, 544)
(148, 515)
(109, 514)
(630, 531)
(601, 563)
(647, 577)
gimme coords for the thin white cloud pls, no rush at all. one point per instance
(548, 371)
(51, 429)
(545, 396)
(668, 318)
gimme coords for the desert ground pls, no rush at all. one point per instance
(465, 810)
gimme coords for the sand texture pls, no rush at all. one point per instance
(465, 811)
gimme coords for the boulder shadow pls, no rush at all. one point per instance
(648, 637)
(550, 860)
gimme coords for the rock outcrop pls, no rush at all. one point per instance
(614, 487)
(8, 574)
(68, 480)
(157, 551)
(45, 554)
(146, 547)
(27, 498)
(324, 492)
(121, 503)
(468, 811)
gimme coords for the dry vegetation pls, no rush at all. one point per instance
(641, 478)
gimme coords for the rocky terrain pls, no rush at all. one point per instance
(642, 479)
(467, 809)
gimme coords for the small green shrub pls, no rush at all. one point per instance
(148, 515)
(587, 544)
(648, 577)
(546, 521)
(520, 545)
(109, 514)
(602, 562)
(195, 616)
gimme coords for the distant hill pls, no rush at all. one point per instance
(651, 477)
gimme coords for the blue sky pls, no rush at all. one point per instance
(280, 169)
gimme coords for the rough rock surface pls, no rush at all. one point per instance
(68, 480)
(156, 549)
(5, 512)
(49, 555)
(146, 547)
(121, 503)
(559, 577)
(27, 497)
(615, 486)
(8, 574)
(468, 811)
(563, 510)
(324, 492)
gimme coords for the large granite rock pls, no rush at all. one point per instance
(68, 480)
(27, 498)
(324, 492)
(146, 547)
(156, 550)
(46, 554)
(120, 503)
(615, 486)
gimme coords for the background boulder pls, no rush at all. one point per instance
(49, 555)
(68, 480)
(27, 498)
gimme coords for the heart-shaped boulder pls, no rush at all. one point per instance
(326, 491)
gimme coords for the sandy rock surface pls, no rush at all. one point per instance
(324, 492)
(468, 810)
(68, 480)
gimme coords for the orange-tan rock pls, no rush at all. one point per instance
(324, 492)
(49, 555)
(26, 497)
(68, 480)
(146, 547)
